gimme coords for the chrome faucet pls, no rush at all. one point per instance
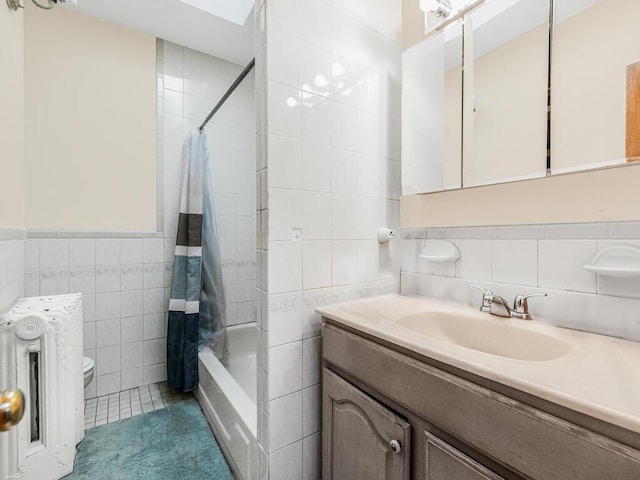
(492, 303)
(497, 305)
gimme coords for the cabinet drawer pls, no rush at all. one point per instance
(443, 462)
(524, 439)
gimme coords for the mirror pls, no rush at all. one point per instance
(495, 119)
(484, 123)
(595, 84)
(432, 113)
(505, 92)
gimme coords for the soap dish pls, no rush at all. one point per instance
(616, 261)
(440, 251)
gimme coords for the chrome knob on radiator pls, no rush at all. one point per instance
(11, 409)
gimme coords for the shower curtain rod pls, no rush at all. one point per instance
(224, 98)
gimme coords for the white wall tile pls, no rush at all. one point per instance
(107, 305)
(285, 369)
(316, 23)
(108, 333)
(54, 253)
(108, 360)
(132, 378)
(316, 264)
(108, 384)
(286, 463)
(343, 126)
(316, 167)
(154, 326)
(312, 360)
(475, 259)
(368, 260)
(344, 172)
(285, 318)
(131, 356)
(344, 262)
(285, 266)
(515, 261)
(284, 58)
(311, 410)
(285, 420)
(131, 329)
(316, 215)
(285, 213)
(285, 165)
(344, 211)
(154, 351)
(152, 250)
(578, 231)
(561, 264)
(130, 251)
(107, 251)
(32, 253)
(311, 457)
(82, 252)
(285, 111)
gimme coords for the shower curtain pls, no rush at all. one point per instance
(197, 306)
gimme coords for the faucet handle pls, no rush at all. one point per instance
(478, 287)
(487, 297)
(521, 305)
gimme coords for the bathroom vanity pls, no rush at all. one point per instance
(424, 389)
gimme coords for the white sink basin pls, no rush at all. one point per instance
(498, 336)
(593, 374)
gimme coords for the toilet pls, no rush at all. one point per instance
(87, 370)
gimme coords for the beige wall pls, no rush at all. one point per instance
(590, 58)
(595, 196)
(90, 109)
(412, 23)
(11, 118)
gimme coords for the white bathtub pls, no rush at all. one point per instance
(228, 398)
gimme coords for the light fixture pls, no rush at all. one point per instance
(440, 8)
(15, 4)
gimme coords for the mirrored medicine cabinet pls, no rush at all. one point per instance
(512, 90)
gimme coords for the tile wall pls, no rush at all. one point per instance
(533, 259)
(11, 267)
(126, 277)
(328, 103)
(191, 86)
(124, 302)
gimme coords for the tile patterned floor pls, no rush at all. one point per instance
(118, 406)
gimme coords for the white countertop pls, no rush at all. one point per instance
(599, 376)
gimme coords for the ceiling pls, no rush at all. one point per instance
(183, 23)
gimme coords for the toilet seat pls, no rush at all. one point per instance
(87, 364)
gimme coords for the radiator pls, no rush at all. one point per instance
(41, 354)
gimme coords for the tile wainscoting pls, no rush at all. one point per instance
(533, 259)
(11, 266)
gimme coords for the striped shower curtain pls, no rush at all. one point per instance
(197, 306)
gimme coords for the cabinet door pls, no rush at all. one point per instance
(443, 462)
(362, 440)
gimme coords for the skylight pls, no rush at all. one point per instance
(235, 11)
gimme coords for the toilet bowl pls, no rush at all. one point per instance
(87, 370)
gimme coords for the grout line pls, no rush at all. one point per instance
(117, 406)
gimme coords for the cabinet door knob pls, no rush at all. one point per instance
(395, 446)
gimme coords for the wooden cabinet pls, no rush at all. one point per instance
(362, 440)
(444, 462)
(452, 426)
